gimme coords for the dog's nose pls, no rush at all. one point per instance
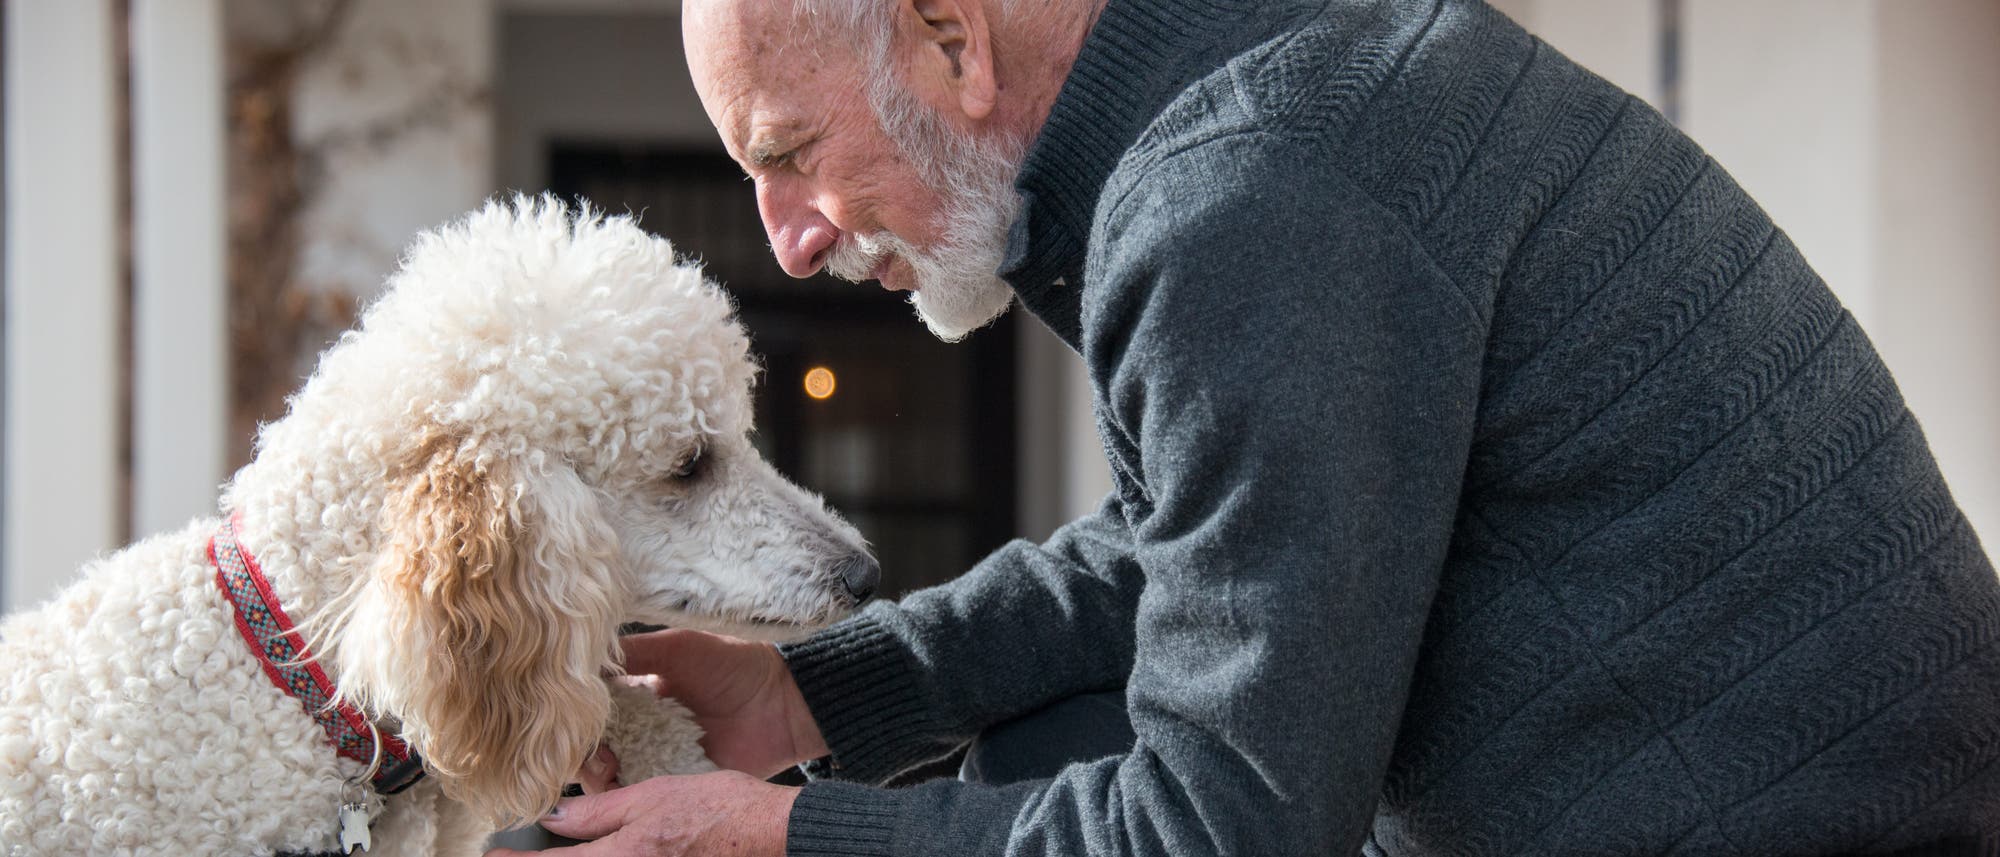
(860, 575)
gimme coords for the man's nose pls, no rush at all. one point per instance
(801, 237)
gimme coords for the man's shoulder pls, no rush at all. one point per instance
(1316, 78)
(1206, 113)
(1223, 102)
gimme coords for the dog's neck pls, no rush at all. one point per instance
(309, 519)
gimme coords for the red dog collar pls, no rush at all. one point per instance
(282, 651)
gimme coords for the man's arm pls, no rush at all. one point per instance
(905, 683)
(1299, 382)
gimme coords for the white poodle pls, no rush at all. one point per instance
(540, 432)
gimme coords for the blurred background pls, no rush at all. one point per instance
(199, 193)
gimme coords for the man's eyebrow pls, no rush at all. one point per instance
(766, 144)
(762, 152)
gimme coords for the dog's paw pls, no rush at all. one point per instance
(652, 735)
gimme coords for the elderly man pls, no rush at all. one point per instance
(1491, 475)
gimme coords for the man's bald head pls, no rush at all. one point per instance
(883, 135)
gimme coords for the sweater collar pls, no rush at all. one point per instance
(1137, 58)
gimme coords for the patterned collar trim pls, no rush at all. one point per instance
(282, 651)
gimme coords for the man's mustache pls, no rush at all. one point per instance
(855, 257)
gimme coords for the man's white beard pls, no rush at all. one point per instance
(958, 290)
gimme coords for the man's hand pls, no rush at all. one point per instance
(723, 814)
(754, 718)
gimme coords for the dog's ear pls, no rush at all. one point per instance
(488, 621)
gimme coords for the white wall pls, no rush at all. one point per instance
(402, 103)
(179, 281)
(62, 499)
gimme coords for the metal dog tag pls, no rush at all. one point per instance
(353, 827)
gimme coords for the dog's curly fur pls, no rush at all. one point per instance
(538, 433)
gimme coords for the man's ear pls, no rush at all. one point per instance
(955, 35)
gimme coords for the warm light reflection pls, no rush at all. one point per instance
(819, 382)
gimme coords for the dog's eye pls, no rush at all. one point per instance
(690, 467)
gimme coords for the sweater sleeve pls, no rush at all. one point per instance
(1294, 381)
(902, 684)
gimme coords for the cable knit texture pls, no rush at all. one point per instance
(1492, 477)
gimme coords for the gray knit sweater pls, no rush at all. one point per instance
(1492, 477)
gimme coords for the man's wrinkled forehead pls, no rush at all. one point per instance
(725, 42)
(748, 56)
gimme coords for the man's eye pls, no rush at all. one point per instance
(769, 159)
(792, 158)
(690, 467)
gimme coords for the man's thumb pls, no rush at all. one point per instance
(591, 816)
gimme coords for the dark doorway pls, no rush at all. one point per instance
(914, 443)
